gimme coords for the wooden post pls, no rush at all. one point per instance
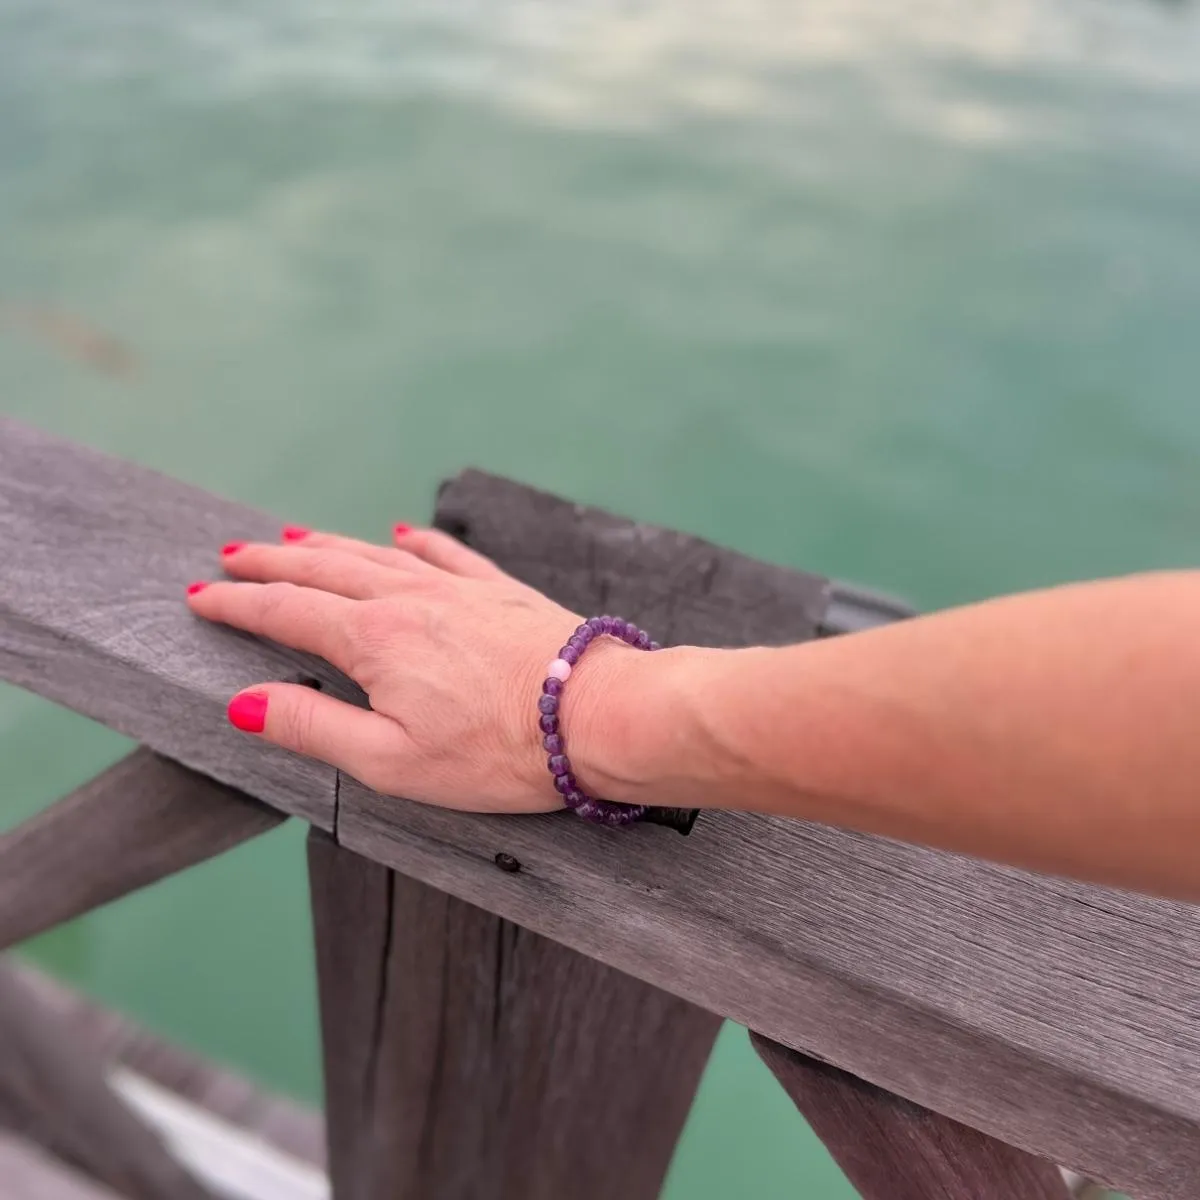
(53, 1092)
(469, 1059)
(144, 818)
(892, 1149)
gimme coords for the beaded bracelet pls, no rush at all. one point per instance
(590, 808)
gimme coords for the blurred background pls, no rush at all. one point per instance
(903, 294)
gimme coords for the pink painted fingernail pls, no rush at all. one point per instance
(248, 711)
(400, 529)
(198, 586)
(295, 533)
(232, 548)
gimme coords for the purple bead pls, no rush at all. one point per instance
(655, 645)
(590, 808)
(604, 812)
(617, 815)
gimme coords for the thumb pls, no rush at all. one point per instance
(357, 740)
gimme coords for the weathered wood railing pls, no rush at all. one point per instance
(522, 1007)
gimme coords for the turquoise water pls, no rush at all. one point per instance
(906, 297)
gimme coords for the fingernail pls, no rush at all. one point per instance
(198, 586)
(248, 711)
(400, 529)
(232, 548)
(295, 533)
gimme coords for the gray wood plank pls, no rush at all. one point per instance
(27, 1172)
(97, 554)
(53, 1091)
(1057, 1017)
(680, 588)
(292, 1128)
(469, 1059)
(144, 818)
(892, 1149)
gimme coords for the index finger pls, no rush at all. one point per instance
(300, 617)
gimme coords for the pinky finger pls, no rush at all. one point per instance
(356, 740)
(441, 550)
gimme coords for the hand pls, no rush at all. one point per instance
(449, 649)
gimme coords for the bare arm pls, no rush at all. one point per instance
(1054, 730)
(1058, 730)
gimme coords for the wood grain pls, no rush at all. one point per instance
(97, 554)
(144, 818)
(27, 1172)
(53, 1091)
(469, 1059)
(892, 1149)
(1055, 1016)
(681, 588)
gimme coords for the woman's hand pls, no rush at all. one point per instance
(449, 649)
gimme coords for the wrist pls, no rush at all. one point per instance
(631, 724)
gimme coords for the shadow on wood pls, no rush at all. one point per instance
(53, 1092)
(892, 1149)
(469, 1059)
(143, 819)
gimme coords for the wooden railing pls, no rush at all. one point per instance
(520, 1008)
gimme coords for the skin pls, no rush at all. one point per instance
(1053, 730)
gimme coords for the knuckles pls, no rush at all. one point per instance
(300, 719)
(373, 625)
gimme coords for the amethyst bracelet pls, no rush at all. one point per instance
(590, 808)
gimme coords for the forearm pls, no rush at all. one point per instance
(1055, 730)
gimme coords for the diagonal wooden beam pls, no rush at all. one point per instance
(29, 1173)
(892, 1149)
(143, 819)
(290, 1128)
(53, 1092)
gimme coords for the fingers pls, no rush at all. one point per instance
(330, 570)
(415, 549)
(441, 550)
(300, 617)
(385, 556)
(356, 740)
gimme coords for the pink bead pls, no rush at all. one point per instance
(559, 669)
